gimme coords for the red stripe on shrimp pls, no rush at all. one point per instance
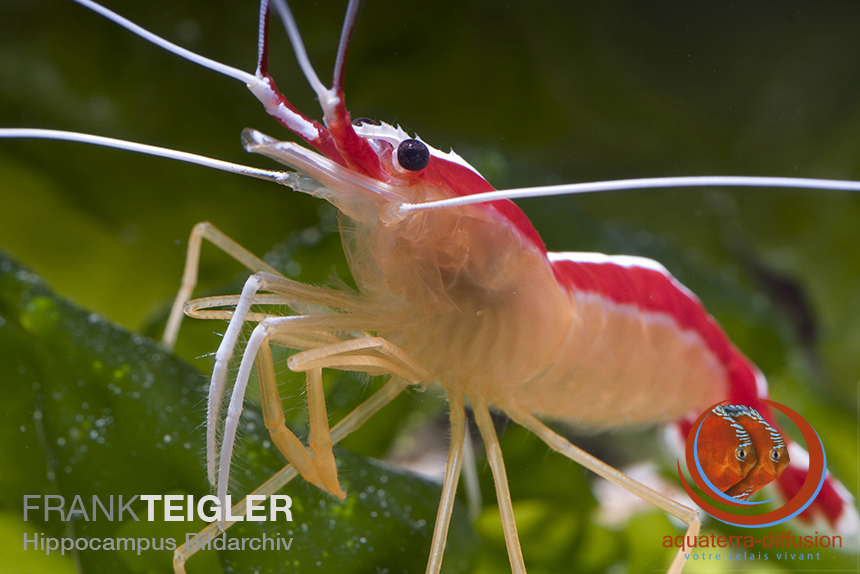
(649, 286)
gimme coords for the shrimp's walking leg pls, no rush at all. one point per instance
(201, 231)
(470, 477)
(285, 441)
(394, 361)
(342, 356)
(257, 282)
(320, 470)
(561, 445)
(341, 430)
(449, 488)
(320, 437)
(348, 355)
(206, 230)
(208, 307)
(497, 464)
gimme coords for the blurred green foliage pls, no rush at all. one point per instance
(531, 93)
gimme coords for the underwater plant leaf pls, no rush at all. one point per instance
(92, 410)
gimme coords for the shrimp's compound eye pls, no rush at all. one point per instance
(774, 455)
(362, 121)
(412, 155)
(741, 454)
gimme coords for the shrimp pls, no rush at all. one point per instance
(393, 311)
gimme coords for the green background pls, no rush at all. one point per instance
(531, 93)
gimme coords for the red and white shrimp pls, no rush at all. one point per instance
(457, 287)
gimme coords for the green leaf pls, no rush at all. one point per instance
(92, 410)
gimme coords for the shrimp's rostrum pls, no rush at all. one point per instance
(469, 297)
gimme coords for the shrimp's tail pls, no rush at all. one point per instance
(833, 512)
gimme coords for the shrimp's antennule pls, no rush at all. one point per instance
(216, 66)
(261, 85)
(328, 97)
(343, 46)
(337, 140)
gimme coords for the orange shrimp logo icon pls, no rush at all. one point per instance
(733, 452)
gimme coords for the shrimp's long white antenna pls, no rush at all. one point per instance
(642, 183)
(281, 177)
(243, 77)
(260, 86)
(298, 46)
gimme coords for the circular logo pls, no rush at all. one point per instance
(733, 452)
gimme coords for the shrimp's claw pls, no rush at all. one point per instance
(320, 439)
(320, 470)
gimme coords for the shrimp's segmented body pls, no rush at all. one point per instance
(472, 287)
(466, 296)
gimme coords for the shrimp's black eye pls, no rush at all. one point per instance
(362, 121)
(412, 155)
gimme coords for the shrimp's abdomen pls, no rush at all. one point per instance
(491, 314)
(641, 348)
(476, 299)
(625, 361)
